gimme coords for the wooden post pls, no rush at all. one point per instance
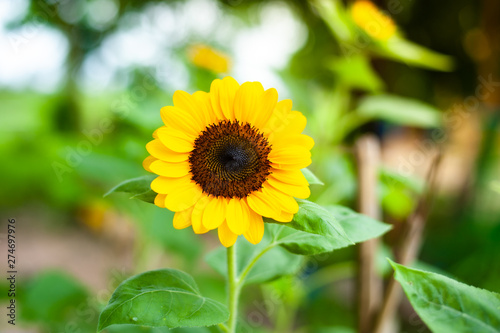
(369, 284)
(408, 251)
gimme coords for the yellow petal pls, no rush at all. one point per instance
(301, 192)
(215, 213)
(255, 230)
(237, 216)
(190, 104)
(296, 123)
(181, 120)
(269, 101)
(261, 203)
(279, 117)
(226, 236)
(166, 185)
(160, 200)
(147, 163)
(285, 202)
(297, 166)
(291, 123)
(292, 177)
(168, 169)
(155, 133)
(184, 198)
(248, 102)
(284, 217)
(175, 140)
(293, 154)
(278, 141)
(158, 150)
(222, 93)
(203, 99)
(197, 215)
(182, 219)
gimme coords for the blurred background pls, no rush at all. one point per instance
(81, 87)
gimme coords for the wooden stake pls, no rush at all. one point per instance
(408, 251)
(369, 284)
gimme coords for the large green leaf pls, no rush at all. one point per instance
(446, 305)
(161, 298)
(274, 263)
(140, 188)
(144, 329)
(357, 227)
(399, 110)
(315, 219)
(300, 242)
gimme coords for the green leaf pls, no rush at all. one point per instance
(144, 329)
(357, 227)
(140, 188)
(311, 177)
(161, 298)
(315, 219)
(274, 263)
(446, 305)
(304, 243)
(356, 72)
(402, 50)
(399, 110)
(336, 17)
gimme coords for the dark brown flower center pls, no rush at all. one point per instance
(229, 159)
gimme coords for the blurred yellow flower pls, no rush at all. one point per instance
(228, 157)
(368, 17)
(92, 215)
(206, 57)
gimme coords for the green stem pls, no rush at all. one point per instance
(234, 288)
(235, 283)
(253, 262)
(223, 328)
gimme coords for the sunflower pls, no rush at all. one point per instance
(227, 158)
(209, 58)
(376, 23)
